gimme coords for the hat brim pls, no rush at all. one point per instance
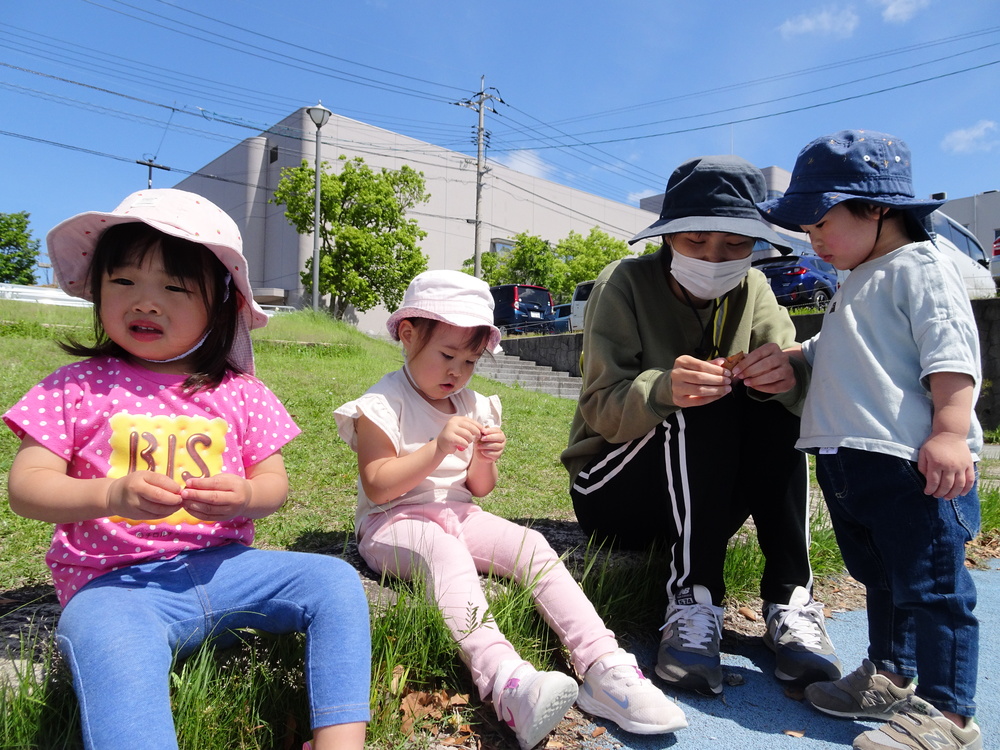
(71, 243)
(795, 210)
(455, 319)
(728, 224)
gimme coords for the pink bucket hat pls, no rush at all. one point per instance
(449, 296)
(178, 213)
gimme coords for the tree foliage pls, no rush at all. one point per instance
(18, 251)
(369, 250)
(533, 260)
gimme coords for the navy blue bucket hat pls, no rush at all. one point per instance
(851, 164)
(714, 194)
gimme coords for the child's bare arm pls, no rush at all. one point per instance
(39, 488)
(223, 496)
(385, 475)
(945, 460)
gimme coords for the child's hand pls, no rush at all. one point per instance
(217, 498)
(491, 444)
(695, 382)
(766, 369)
(458, 434)
(143, 496)
(946, 463)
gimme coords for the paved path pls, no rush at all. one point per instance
(757, 714)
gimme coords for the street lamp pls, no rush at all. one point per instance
(319, 115)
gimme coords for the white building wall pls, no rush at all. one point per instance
(242, 182)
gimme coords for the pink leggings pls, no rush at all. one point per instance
(450, 544)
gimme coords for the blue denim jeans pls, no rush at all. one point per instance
(908, 549)
(121, 632)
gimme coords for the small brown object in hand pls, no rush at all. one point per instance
(732, 360)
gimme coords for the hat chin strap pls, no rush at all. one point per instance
(225, 283)
(192, 350)
(413, 383)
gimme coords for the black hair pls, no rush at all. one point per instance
(476, 340)
(913, 227)
(130, 244)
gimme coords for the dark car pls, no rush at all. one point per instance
(561, 324)
(522, 308)
(800, 280)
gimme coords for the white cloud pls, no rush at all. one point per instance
(634, 198)
(526, 162)
(901, 11)
(980, 137)
(831, 21)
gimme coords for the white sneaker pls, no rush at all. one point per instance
(615, 688)
(530, 702)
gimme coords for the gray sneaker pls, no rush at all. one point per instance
(917, 725)
(796, 633)
(689, 648)
(863, 694)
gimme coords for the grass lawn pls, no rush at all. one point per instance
(255, 691)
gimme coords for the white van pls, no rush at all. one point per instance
(962, 247)
(578, 304)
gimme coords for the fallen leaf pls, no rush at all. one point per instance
(748, 613)
(598, 732)
(795, 692)
(795, 733)
(398, 673)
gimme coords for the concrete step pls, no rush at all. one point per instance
(512, 370)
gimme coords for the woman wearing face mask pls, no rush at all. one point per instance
(672, 444)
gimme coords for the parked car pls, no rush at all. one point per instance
(522, 308)
(995, 262)
(579, 304)
(561, 323)
(799, 280)
(962, 247)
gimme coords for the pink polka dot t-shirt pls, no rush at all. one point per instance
(106, 417)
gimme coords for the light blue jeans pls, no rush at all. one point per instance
(121, 633)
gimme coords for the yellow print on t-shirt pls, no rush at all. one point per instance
(180, 447)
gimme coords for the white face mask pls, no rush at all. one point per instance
(706, 280)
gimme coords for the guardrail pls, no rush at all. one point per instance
(43, 295)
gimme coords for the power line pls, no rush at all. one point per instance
(768, 115)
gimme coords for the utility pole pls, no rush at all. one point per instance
(478, 104)
(151, 162)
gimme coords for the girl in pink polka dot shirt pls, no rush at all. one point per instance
(153, 456)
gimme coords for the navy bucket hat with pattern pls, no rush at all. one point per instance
(850, 164)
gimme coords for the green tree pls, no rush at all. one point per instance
(585, 257)
(368, 248)
(18, 251)
(533, 260)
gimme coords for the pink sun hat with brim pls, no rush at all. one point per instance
(174, 212)
(452, 297)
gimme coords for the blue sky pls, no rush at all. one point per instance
(605, 97)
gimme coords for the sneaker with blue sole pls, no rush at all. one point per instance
(796, 633)
(688, 656)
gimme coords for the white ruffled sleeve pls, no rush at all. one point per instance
(376, 407)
